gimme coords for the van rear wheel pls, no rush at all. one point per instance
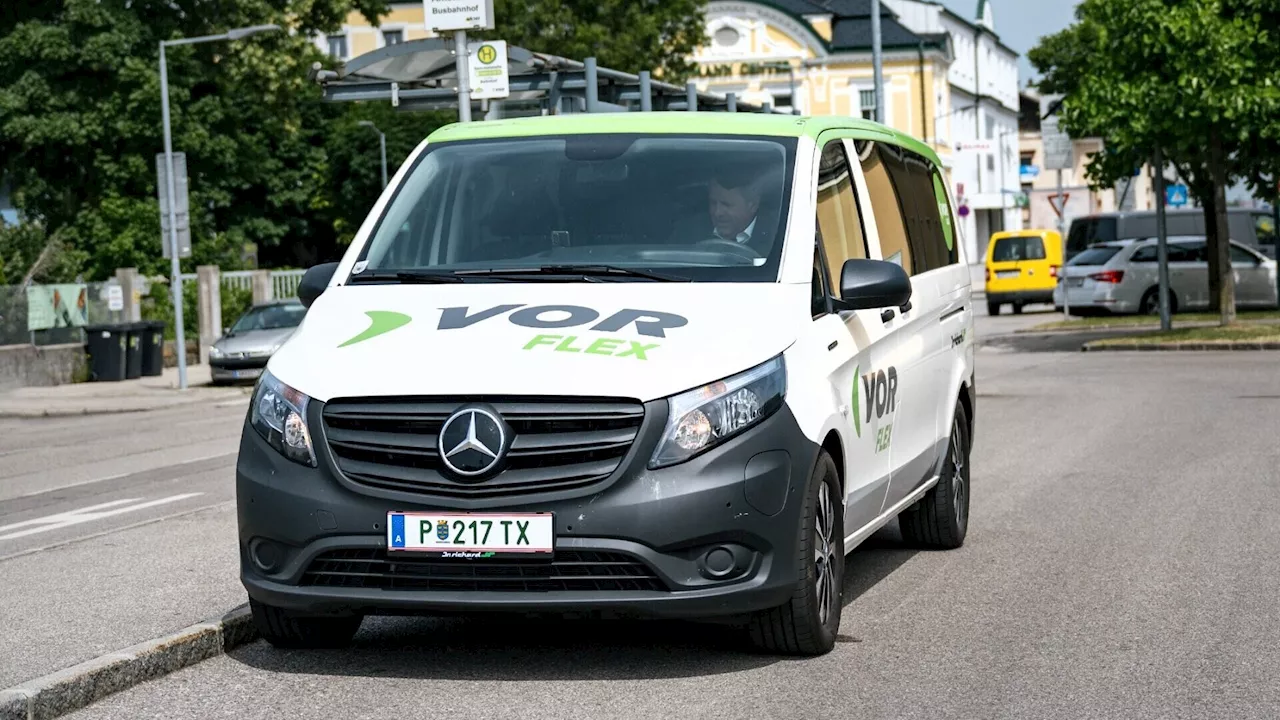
(993, 308)
(940, 519)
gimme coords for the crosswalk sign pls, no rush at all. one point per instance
(1175, 195)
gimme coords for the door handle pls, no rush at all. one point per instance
(833, 344)
(886, 315)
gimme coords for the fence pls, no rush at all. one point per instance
(65, 307)
(284, 283)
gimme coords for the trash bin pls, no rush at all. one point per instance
(152, 348)
(133, 351)
(106, 348)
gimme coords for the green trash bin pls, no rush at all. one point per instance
(106, 347)
(133, 351)
(152, 348)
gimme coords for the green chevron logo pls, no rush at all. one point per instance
(381, 322)
(857, 404)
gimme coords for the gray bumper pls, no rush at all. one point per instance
(745, 496)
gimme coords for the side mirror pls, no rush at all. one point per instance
(873, 284)
(314, 281)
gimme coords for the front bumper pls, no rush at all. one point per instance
(745, 496)
(1020, 296)
(237, 368)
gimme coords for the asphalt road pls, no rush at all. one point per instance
(114, 529)
(1122, 562)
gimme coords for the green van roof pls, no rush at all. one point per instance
(724, 123)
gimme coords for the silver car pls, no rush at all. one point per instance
(1123, 277)
(244, 350)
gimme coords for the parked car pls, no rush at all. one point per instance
(1251, 227)
(605, 364)
(243, 351)
(1123, 277)
(1022, 268)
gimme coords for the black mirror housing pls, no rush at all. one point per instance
(873, 284)
(314, 281)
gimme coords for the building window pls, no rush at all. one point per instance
(338, 47)
(392, 37)
(727, 37)
(867, 104)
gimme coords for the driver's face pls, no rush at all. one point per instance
(731, 210)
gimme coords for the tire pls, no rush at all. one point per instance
(1017, 308)
(993, 309)
(284, 629)
(940, 519)
(1150, 303)
(808, 622)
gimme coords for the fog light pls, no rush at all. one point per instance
(265, 554)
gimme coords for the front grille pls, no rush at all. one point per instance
(559, 444)
(571, 570)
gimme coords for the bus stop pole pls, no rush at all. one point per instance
(1162, 244)
(464, 82)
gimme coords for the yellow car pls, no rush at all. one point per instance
(1022, 268)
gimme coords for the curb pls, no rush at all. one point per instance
(83, 411)
(78, 686)
(1174, 347)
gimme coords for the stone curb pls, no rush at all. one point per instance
(19, 411)
(78, 686)
(1174, 347)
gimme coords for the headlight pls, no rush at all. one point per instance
(279, 414)
(215, 351)
(704, 417)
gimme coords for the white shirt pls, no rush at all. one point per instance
(743, 237)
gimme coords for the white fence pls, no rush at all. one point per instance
(284, 283)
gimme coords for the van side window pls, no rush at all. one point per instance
(839, 224)
(891, 220)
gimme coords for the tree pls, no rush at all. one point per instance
(628, 35)
(1199, 79)
(80, 124)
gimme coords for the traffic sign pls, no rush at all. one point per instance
(487, 70)
(1058, 151)
(181, 204)
(444, 15)
(1058, 202)
(1175, 195)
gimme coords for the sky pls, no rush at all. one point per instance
(1021, 23)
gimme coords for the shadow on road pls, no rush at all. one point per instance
(513, 648)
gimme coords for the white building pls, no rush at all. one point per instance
(983, 127)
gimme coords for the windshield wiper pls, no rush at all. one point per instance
(591, 273)
(408, 276)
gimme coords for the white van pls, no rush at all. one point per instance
(646, 364)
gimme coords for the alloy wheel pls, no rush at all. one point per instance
(824, 551)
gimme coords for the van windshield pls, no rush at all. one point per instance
(688, 207)
(1087, 231)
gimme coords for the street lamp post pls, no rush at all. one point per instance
(382, 145)
(174, 264)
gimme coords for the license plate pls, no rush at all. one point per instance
(1075, 282)
(471, 535)
(1007, 273)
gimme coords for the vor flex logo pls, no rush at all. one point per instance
(880, 388)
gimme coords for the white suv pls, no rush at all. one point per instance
(658, 364)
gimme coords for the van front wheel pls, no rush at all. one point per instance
(808, 622)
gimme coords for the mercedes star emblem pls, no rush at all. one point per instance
(472, 441)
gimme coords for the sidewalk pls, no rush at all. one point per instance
(91, 398)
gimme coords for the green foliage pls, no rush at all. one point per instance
(21, 246)
(629, 35)
(235, 302)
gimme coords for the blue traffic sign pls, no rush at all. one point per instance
(1175, 195)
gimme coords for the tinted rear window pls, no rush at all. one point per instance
(1087, 231)
(1095, 255)
(1013, 249)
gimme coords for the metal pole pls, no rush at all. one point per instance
(691, 96)
(795, 107)
(175, 268)
(731, 102)
(1000, 160)
(593, 84)
(464, 82)
(1162, 244)
(646, 92)
(877, 61)
(1062, 219)
(382, 145)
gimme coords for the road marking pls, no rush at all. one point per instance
(84, 515)
(119, 475)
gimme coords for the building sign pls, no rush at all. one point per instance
(57, 306)
(444, 15)
(977, 146)
(487, 71)
(1028, 173)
